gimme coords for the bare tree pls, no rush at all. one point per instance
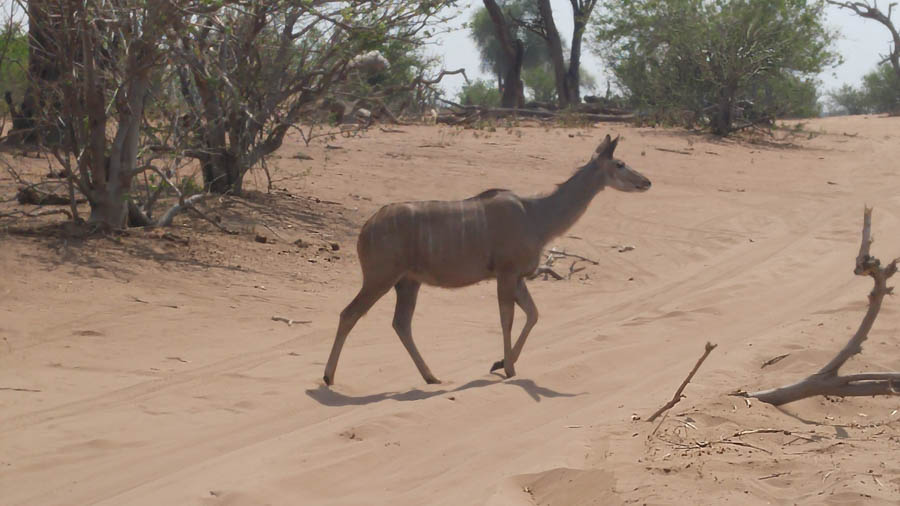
(871, 11)
(248, 72)
(106, 51)
(514, 51)
(827, 381)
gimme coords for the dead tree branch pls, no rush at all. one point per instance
(827, 381)
(36, 213)
(871, 11)
(182, 205)
(677, 397)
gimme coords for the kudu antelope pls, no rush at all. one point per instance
(495, 234)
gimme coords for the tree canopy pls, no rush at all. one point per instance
(715, 60)
(482, 31)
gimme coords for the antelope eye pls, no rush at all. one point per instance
(620, 164)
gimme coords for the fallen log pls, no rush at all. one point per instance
(470, 114)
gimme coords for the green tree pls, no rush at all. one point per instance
(567, 73)
(881, 89)
(513, 54)
(483, 33)
(534, 26)
(848, 100)
(711, 57)
(540, 80)
(879, 92)
(479, 92)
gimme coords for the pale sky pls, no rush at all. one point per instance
(861, 42)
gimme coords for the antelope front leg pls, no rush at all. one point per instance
(506, 296)
(524, 300)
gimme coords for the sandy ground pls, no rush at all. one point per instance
(146, 368)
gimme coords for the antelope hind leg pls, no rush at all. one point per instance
(407, 292)
(524, 300)
(506, 297)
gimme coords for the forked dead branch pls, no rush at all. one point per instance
(827, 381)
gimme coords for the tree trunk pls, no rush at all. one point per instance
(723, 117)
(42, 70)
(514, 89)
(513, 49)
(554, 47)
(573, 75)
(222, 173)
(112, 173)
(568, 79)
(110, 207)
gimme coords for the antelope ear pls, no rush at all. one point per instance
(606, 148)
(601, 149)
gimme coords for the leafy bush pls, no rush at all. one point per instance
(479, 92)
(848, 100)
(541, 82)
(882, 90)
(879, 93)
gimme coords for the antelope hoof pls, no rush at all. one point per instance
(497, 365)
(328, 381)
(432, 381)
(510, 371)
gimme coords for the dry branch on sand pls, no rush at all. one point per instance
(677, 397)
(289, 321)
(31, 195)
(827, 381)
(546, 268)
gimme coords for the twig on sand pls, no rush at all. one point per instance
(773, 475)
(13, 389)
(761, 431)
(573, 270)
(673, 151)
(289, 321)
(545, 271)
(677, 397)
(659, 424)
(698, 445)
(556, 252)
(773, 360)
